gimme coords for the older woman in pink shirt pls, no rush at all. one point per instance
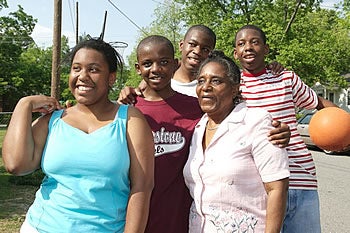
(237, 178)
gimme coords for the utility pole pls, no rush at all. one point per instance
(56, 49)
(77, 23)
(104, 26)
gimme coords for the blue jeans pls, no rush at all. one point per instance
(303, 212)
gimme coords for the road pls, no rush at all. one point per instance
(333, 173)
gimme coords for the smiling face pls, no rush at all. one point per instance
(215, 90)
(156, 65)
(89, 77)
(195, 48)
(250, 50)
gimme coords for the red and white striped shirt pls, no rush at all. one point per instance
(280, 94)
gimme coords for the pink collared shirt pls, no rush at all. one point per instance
(226, 180)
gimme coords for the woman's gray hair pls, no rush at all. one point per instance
(232, 70)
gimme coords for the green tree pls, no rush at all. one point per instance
(15, 30)
(3, 4)
(312, 41)
(26, 68)
(317, 48)
(65, 92)
(169, 23)
(32, 75)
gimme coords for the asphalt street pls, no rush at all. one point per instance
(333, 173)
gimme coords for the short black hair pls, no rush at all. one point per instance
(156, 39)
(203, 28)
(113, 58)
(253, 27)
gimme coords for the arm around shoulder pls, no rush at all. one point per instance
(141, 150)
(280, 135)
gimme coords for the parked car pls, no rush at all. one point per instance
(303, 129)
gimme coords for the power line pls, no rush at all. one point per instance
(121, 12)
(70, 14)
(158, 2)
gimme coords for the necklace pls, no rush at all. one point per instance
(213, 128)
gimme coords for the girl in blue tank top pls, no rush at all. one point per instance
(97, 156)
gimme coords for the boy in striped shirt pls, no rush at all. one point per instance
(280, 94)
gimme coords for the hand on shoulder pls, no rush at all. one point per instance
(39, 103)
(128, 95)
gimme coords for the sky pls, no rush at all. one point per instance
(123, 22)
(119, 26)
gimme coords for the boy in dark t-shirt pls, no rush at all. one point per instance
(172, 117)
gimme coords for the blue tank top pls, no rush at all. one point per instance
(86, 187)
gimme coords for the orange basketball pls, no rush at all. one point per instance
(329, 129)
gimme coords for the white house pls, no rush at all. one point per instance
(339, 96)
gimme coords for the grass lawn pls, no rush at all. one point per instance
(16, 195)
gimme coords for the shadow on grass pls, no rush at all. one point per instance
(17, 193)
